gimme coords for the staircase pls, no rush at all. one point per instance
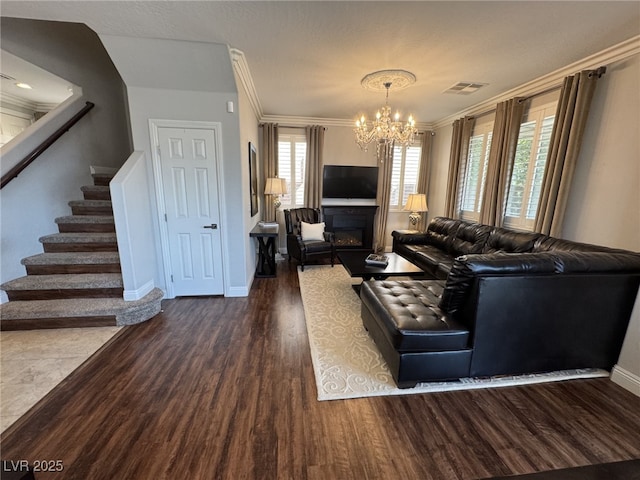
(77, 281)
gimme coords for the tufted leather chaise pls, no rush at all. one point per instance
(520, 303)
(415, 338)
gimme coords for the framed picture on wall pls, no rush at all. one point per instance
(253, 178)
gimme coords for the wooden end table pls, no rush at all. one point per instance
(266, 237)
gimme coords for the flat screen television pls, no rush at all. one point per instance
(346, 181)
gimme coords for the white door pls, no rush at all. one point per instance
(188, 160)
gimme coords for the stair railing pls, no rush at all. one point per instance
(25, 162)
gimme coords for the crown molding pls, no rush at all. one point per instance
(15, 101)
(241, 67)
(292, 121)
(613, 54)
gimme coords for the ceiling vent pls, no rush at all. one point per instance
(465, 88)
(6, 77)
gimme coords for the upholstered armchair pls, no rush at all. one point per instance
(318, 244)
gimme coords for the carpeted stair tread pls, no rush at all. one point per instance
(80, 237)
(96, 192)
(126, 313)
(96, 188)
(65, 281)
(90, 203)
(85, 219)
(72, 258)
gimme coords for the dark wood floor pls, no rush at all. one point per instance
(217, 388)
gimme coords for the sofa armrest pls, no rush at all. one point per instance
(467, 268)
(411, 237)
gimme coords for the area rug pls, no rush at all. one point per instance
(347, 363)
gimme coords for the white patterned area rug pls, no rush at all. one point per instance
(347, 363)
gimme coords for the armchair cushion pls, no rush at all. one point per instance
(312, 231)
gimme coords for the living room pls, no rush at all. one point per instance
(607, 175)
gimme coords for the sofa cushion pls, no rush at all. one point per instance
(441, 232)
(550, 244)
(409, 314)
(510, 241)
(469, 238)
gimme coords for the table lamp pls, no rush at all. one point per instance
(416, 203)
(275, 187)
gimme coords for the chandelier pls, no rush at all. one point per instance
(384, 130)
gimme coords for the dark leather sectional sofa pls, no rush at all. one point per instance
(500, 302)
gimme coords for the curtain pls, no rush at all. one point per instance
(313, 169)
(269, 164)
(566, 138)
(504, 141)
(462, 130)
(383, 196)
(423, 175)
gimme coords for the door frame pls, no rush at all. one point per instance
(154, 125)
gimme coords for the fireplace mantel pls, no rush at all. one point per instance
(351, 224)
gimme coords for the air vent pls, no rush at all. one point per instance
(6, 77)
(465, 88)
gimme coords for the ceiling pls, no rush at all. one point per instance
(46, 90)
(307, 58)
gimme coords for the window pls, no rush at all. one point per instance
(528, 167)
(292, 154)
(404, 174)
(475, 171)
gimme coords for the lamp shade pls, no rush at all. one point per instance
(417, 202)
(275, 186)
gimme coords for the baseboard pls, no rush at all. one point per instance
(626, 379)
(131, 295)
(237, 292)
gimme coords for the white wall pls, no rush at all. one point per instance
(249, 132)
(604, 204)
(132, 213)
(32, 201)
(190, 81)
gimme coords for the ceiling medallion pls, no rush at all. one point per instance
(385, 131)
(399, 80)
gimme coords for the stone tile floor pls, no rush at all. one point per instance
(33, 362)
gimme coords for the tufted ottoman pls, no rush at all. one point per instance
(418, 341)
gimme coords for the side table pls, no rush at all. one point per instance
(266, 237)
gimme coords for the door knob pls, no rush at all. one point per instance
(213, 226)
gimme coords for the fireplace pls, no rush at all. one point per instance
(352, 225)
(348, 239)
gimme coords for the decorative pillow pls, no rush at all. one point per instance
(312, 231)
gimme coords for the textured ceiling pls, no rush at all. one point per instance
(307, 58)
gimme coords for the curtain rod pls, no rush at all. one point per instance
(598, 71)
(522, 99)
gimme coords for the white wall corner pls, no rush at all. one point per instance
(626, 379)
(131, 295)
